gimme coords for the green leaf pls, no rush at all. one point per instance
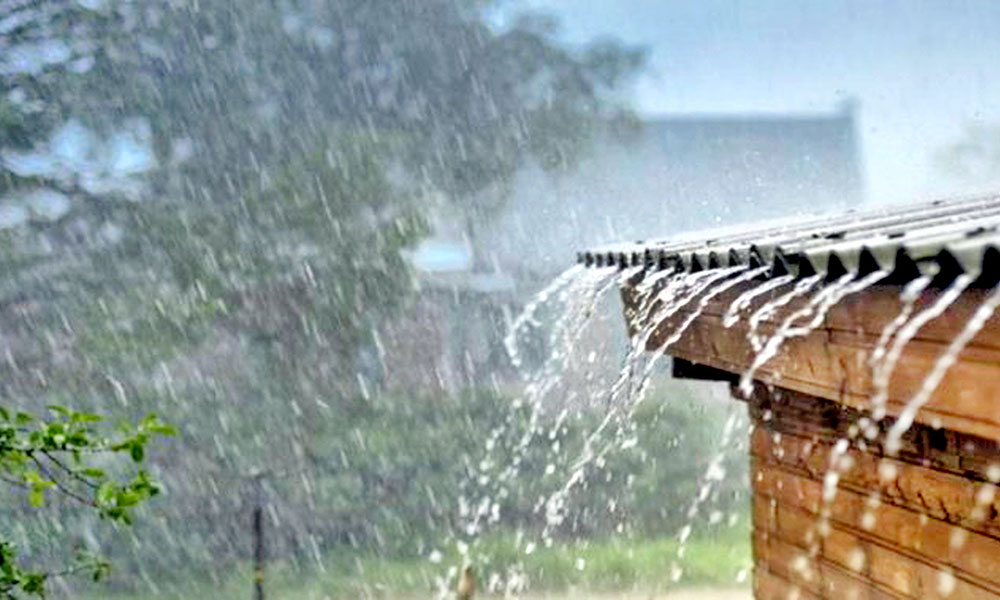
(137, 452)
(126, 499)
(153, 424)
(164, 429)
(37, 496)
(34, 583)
(86, 418)
(106, 493)
(78, 438)
(93, 472)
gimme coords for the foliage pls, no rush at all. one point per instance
(392, 474)
(236, 283)
(388, 476)
(60, 455)
(718, 558)
(253, 85)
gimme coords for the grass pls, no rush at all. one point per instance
(714, 559)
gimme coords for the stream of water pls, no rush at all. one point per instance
(941, 366)
(664, 306)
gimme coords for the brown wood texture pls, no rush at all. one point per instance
(833, 361)
(769, 586)
(916, 525)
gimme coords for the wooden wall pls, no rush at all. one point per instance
(832, 362)
(922, 524)
(925, 524)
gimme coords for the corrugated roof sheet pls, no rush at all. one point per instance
(955, 235)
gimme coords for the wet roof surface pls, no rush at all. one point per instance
(941, 237)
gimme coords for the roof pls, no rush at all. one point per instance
(944, 236)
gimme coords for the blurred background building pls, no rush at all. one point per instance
(662, 175)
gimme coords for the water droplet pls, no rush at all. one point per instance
(856, 560)
(946, 583)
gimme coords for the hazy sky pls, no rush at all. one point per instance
(921, 71)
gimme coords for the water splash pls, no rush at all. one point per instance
(489, 483)
(941, 366)
(647, 292)
(904, 328)
(846, 287)
(580, 299)
(801, 288)
(676, 335)
(578, 292)
(911, 292)
(743, 301)
(652, 279)
(527, 315)
(699, 283)
(678, 291)
(704, 302)
(714, 473)
(818, 307)
(838, 461)
(884, 369)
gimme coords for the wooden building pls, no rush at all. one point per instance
(840, 511)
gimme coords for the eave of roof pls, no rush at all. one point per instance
(944, 236)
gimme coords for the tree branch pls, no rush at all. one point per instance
(62, 488)
(69, 471)
(14, 482)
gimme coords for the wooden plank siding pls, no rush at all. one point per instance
(922, 523)
(833, 361)
(916, 525)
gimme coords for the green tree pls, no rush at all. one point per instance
(234, 279)
(56, 455)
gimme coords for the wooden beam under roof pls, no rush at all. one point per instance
(832, 362)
